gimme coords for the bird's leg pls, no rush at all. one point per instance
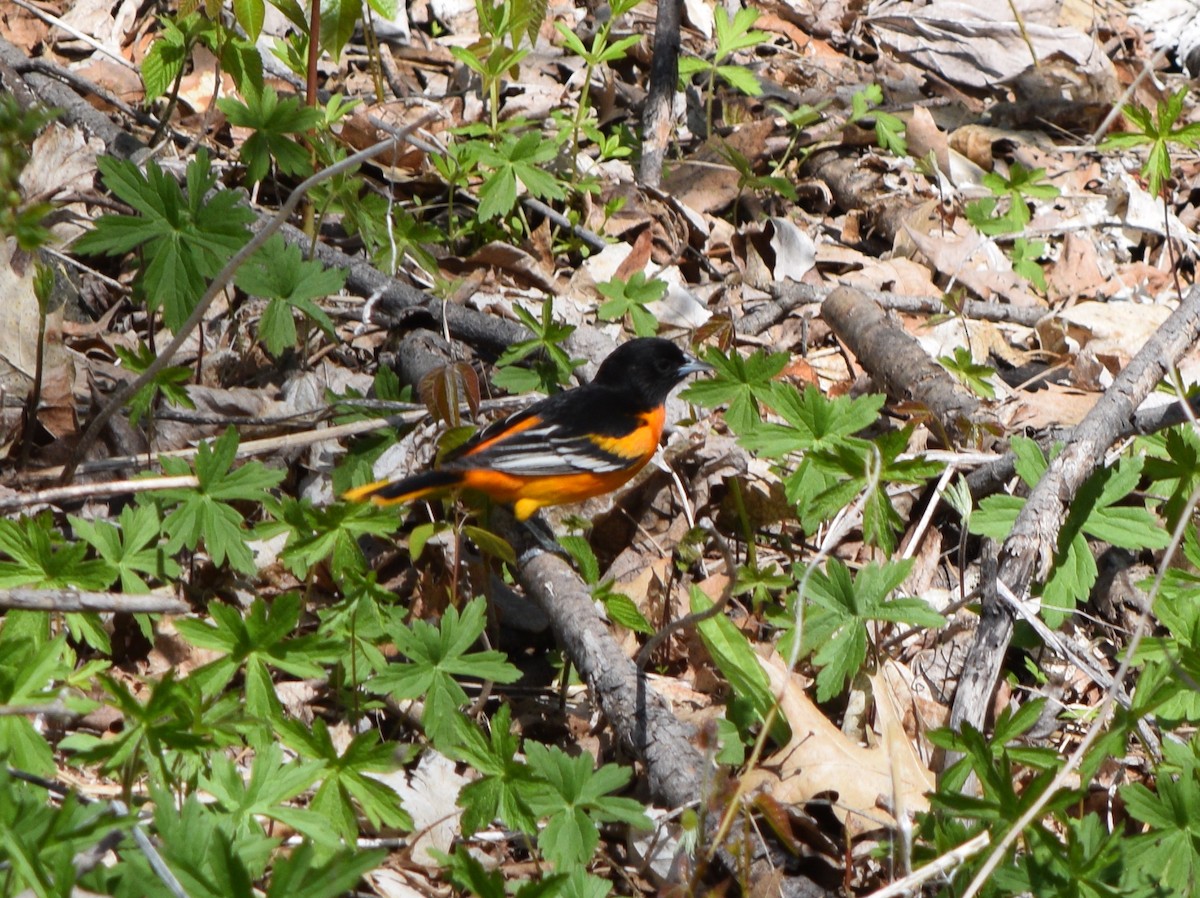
(543, 535)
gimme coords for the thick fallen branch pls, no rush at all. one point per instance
(677, 773)
(658, 119)
(1029, 550)
(902, 367)
(790, 295)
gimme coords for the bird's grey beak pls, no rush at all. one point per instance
(693, 365)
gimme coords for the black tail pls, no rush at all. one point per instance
(408, 489)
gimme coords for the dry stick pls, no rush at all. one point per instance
(789, 296)
(81, 491)
(905, 370)
(247, 449)
(218, 284)
(991, 475)
(1030, 546)
(71, 600)
(902, 888)
(658, 122)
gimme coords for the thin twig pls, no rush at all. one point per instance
(72, 600)
(82, 491)
(937, 867)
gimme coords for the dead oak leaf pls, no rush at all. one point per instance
(820, 759)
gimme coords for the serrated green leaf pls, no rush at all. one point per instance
(622, 610)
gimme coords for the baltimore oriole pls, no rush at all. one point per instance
(566, 448)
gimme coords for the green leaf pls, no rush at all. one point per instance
(1160, 134)
(576, 799)
(840, 609)
(204, 515)
(741, 383)
(505, 785)
(133, 548)
(975, 376)
(347, 788)
(490, 543)
(517, 161)
(250, 15)
(622, 610)
(734, 32)
(737, 662)
(39, 557)
(298, 875)
(184, 239)
(585, 559)
(279, 273)
(338, 18)
(630, 297)
(1094, 513)
(811, 420)
(273, 120)
(436, 655)
(740, 79)
(330, 533)
(163, 63)
(170, 382)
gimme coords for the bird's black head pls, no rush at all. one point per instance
(649, 367)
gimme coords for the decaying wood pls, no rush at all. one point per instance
(1029, 549)
(902, 367)
(677, 773)
(658, 119)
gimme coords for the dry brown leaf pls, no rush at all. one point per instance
(121, 81)
(970, 258)
(1079, 270)
(819, 759)
(924, 137)
(982, 45)
(1112, 329)
(56, 410)
(20, 27)
(524, 268)
(709, 183)
(919, 710)
(196, 88)
(18, 321)
(430, 795)
(638, 258)
(776, 250)
(1051, 406)
(404, 160)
